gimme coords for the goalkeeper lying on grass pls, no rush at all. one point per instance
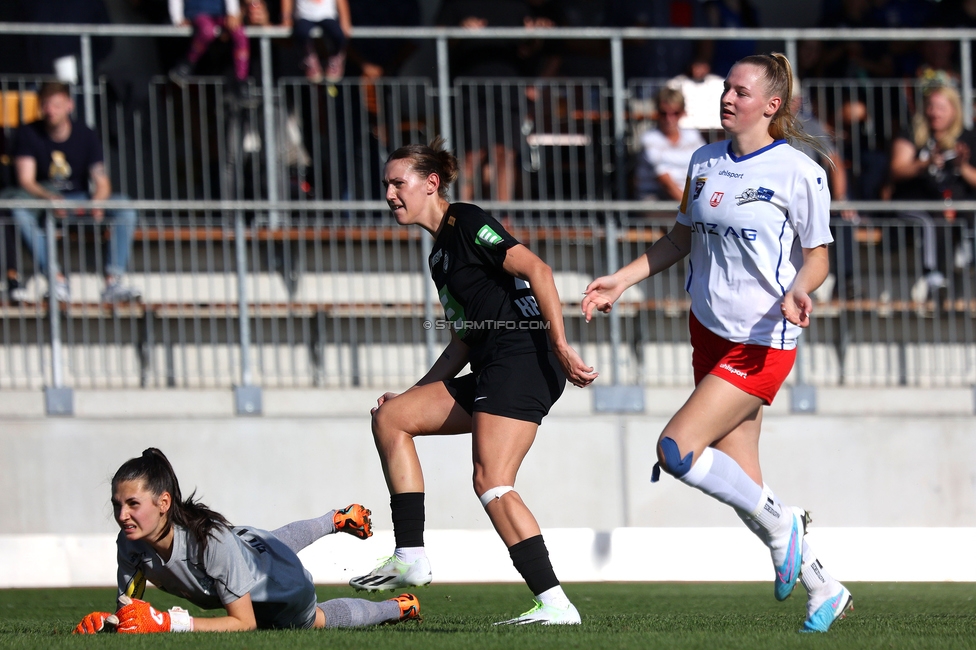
(186, 549)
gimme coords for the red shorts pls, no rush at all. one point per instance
(755, 369)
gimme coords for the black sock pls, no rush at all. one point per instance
(408, 518)
(531, 559)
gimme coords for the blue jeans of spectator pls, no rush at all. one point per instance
(121, 223)
(332, 33)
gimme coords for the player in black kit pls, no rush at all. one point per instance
(506, 321)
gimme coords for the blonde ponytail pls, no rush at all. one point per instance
(777, 75)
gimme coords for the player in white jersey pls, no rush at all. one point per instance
(751, 216)
(186, 549)
(754, 224)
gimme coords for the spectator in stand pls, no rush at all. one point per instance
(286, 58)
(489, 139)
(702, 91)
(663, 164)
(57, 158)
(862, 149)
(332, 17)
(207, 17)
(374, 129)
(934, 160)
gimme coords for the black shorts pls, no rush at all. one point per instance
(521, 387)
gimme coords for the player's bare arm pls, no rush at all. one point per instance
(603, 292)
(240, 618)
(449, 364)
(797, 304)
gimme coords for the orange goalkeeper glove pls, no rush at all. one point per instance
(139, 617)
(97, 622)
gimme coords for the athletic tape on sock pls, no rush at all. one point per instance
(494, 493)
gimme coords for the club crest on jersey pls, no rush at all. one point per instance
(699, 186)
(716, 199)
(750, 195)
(487, 237)
(820, 183)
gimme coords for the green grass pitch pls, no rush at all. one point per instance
(711, 616)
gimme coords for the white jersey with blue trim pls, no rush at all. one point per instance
(750, 217)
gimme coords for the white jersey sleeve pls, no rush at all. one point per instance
(750, 218)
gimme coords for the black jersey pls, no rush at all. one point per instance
(493, 312)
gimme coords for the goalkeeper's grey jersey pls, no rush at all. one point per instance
(237, 561)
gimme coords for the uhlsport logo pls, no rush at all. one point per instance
(734, 371)
(488, 237)
(731, 174)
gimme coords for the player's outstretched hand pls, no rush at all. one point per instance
(97, 622)
(576, 371)
(600, 295)
(797, 307)
(139, 617)
(379, 402)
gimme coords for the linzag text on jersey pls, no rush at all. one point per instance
(704, 228)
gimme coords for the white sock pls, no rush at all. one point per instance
(717, 475)
(771, 514)
(771, 521)
(410, 554)
(754, 526)
(814, 577)
(555, 597)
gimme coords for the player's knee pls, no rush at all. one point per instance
(491, 495)
(670, 459)
(383, 423)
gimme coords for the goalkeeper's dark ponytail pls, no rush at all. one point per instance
(157, 476)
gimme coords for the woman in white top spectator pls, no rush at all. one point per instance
(663, 164)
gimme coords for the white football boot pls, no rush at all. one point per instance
(394, 574)
(546, 615)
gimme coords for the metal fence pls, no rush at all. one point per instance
(344, 300)
(264, 258)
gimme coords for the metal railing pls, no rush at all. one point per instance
(263, 259)
(347, 302)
